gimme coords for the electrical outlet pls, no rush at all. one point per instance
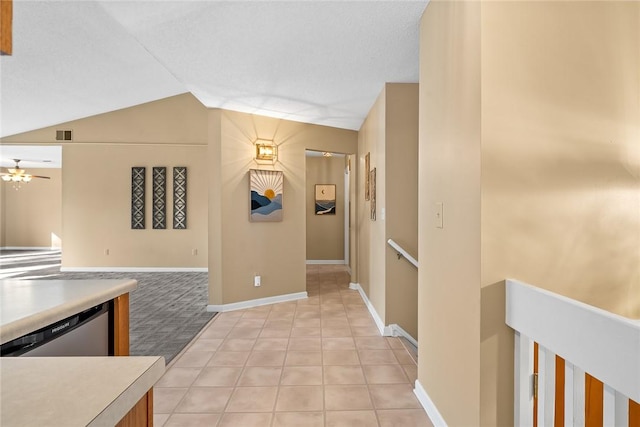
(256, 281)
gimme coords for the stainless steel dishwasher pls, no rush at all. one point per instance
(87, 333)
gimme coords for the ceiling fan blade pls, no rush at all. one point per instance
(39, 176)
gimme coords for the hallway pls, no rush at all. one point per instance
(315, 362)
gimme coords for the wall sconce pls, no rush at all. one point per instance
(266, 150)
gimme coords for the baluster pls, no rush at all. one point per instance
(609, 407)
(547, 412)
(622, 409)
(523, 408)
(568, 394)
(578, 397)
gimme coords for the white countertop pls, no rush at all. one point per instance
(73, 391)
(28, 305)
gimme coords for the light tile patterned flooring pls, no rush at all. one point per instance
(314, 362)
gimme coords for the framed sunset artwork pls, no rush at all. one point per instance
(265, 195)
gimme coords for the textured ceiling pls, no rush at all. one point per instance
(320, 62)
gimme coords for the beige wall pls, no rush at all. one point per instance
(560, 165)
(558, 195)
(401, 165)
(325, 233)
(31, 216)
(275, 251)
(96, 208)
(371, 246)
(449, 172)
(390, 135)
(354, 189)
(179, 119)
(96, 184)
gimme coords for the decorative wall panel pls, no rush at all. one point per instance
(137, 197)
(180, 197)
(159, 197)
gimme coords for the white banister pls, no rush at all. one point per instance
(603, 344)
(402, 252)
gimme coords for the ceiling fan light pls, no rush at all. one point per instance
(15, 178)
(6, 178)
(27, 178)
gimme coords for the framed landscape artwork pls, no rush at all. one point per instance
(325, 199)
(265, 195)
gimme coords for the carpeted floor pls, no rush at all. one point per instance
(166, 310)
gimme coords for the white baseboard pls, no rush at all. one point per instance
(256, 302)
(397, 331)
(325, 261)
(133, 269)
(29, 248)
(392, 330)
(348, 269)
(430, 408)
(385, 331)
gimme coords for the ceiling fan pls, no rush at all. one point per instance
(17, 175)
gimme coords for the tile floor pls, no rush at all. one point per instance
(314, 362)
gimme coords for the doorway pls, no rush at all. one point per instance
(327, 208)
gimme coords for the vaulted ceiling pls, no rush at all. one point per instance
(321, 62)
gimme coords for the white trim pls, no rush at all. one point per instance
(430, 408)
(397, 331)
(221, 308)
(348, 269)
(30, 248)
(354, 286)
(385, 331)
(325, 261)
(134, 269)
